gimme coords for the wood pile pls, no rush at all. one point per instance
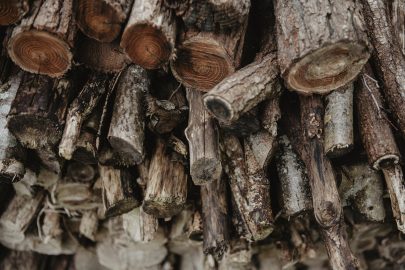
(202, 134)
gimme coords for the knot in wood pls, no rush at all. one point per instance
(314, 126)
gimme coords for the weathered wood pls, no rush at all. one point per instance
(102, 20)
(398, 22)
(89, 225)
(388, 58)
(43, 41)
(126, 133)
(238, 257)
(338, 122)
(141, 226)
(79, 110)
(202, 136)
(295, 191)
(37, 114)
(13, 11)
(86, 259)
(247, 124)
(49, 159)
(81, 172)
(21, 260)
(166, 190)
(27, 185)
(270, 114)
(215, 218)
(150, 34)
(50, 232)
(321, 46)
(120, 192)
(262, 148)
(250, 188)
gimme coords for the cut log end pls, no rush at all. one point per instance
(327, 68)
(12, 170)
(162, 209)
(98, 20)
(40, 52)
(386, 159)
(147, 46)
(219, 107)
(338, 150)
(121, 207)
(12, 11)
(201, 65)
(126, 149)
(205, 170)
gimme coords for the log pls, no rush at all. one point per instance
(27, 185)
(120, 193)
(50, 231)
(250, 188)
(13, 11)
(14, 259)
(102, 57)
(12, 155)
(323, 56)
(86, 259)
(37, 114)
(338, 121)
(295, 191)
(239, 256)
(247, 124)
(141, 226)
(388, 58)
(261, 147)
(307, 140)
(150, 34)
(89, 225)
(80, 172)
(202, 137)
(205, 58)
(166, 190)
(215, 218)
(49, 159)
(43, 41)
(398, 22)
(102, 20)
(186, 230)
(269, 115)
(126, 133)
(79, 110)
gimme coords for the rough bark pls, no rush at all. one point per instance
(338, 121)
(102, 20)
(49, 159)
(126, 133)
(89, 225)
(295, 191)
(215, 218)
(150, 34)
(388, 58)
(79, 110)
(398, 22)
(37, 114)
(250, 189)
(202, 136)
(120, 192)
(270, 114)
(247, 124)
(13, 11)
(43, 42)
(205, 58)
(166, 190)
(321, 46)
(102, 57)
(21, 260)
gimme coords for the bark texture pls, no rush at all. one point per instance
(398, 22)
(12, 11)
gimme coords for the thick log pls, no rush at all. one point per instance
(81, 172)
(338, 121)
(126, 133)
(102, 57)
(323, 56)
(202, 136)
(250, 188)
(388, 58)
(141, 226)
(166, 190)
(205, 58)
(120, 192)
(398, 22)
(37, 114)
(102, 20)
(247, 124)
(79, 110)
(89, 225)
(295, 191)
(150, 34)
(13, 11)
(215, 218)
(43, 41)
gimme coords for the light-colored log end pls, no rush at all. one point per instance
(218, 107)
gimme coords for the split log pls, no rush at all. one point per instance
(321, 46)
(202, 136)
(150, 34)
(89, 225)
(388, 58)
(379, 143)
(338, 121)
(306, 139)
(50, 233)
(102, 57)
(295, 192)
(215, 218)
(13, 11)
(141, 226)
(186, 230)
(102, 19)
(205, 58)
(126, 133)
(37, 114)
(79, 110)
(120, 193)
(43, 41)
(80, 172)
(250, 189)
(166, 190)
(398, 22)
(12, 155)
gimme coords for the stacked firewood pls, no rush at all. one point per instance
(202, 134)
